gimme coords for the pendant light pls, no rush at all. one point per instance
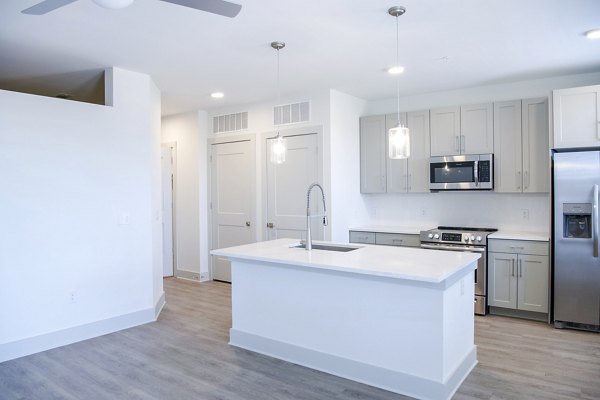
(399, 136)
(278, 147)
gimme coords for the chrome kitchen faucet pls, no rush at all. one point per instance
(308, 216)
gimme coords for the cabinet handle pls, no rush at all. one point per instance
(463, 143)
(409, 182)
(512, 270)
(247, 223)
(526, 180)
(397, 240)
(457, 144)
(518, 175)
(520, 268)
(270, 225)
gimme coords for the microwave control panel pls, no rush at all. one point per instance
(484, 171)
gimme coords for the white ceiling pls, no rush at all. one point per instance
(341, 44)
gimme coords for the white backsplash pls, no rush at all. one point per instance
(520, 212)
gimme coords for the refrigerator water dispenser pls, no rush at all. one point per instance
(577, 221)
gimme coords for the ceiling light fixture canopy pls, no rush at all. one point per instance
(278, 145)
(217, 95)
(114, 4)
(398, 137)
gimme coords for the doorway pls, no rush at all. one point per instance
(168, 157)
(232, 199)
(286, 186)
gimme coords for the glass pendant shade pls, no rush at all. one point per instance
(278, 150)
(399, 142)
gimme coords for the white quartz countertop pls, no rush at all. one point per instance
(411, 230)
(520, 235)
(406, 263)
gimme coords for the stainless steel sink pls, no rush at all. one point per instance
(327, 247)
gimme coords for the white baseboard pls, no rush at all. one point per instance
(394, 381)
(160, 303)
(36, 344)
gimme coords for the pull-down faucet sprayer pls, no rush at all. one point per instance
(308, 216)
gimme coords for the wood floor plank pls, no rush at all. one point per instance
(186, 355)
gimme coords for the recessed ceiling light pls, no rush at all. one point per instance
(217, 95)
(396, 70)
(593, 34)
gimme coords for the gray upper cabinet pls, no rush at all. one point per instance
(462, 130)
(521, 148)
(445, 131)
(577, 117)
(477, 129)
(379, 173)
(536, 145)
(372, 147)
(418, 162)
(508, 168)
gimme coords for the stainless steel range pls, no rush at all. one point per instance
(473, 240)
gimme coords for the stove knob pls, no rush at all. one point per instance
(472, 238)
(466, 238)
(436, 236)
(479, 238)
(430, 235)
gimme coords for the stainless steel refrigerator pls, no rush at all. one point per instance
(576, 232)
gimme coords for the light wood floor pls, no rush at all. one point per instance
(185, 355)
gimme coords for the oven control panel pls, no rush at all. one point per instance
(452, 237)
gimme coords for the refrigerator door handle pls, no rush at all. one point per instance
(595, 221)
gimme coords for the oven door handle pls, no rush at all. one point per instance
(476, 172)
(453, 248)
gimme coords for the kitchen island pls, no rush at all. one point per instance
(397, 318)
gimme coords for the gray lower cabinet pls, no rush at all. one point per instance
(384, 238)
(518, 275)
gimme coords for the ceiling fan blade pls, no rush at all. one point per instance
(46, 6)
(220, 7)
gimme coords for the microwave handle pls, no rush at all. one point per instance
(476, 172)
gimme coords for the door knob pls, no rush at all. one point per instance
(247, 223)
(270, 225)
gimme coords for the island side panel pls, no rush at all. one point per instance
(377, 321)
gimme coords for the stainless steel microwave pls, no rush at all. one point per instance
(465, 172)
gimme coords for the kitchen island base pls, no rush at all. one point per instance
(407, 336)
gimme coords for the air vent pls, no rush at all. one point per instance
(230, 122)
(291, 113)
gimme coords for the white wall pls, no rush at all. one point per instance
(347, 209)
(183, 129)
(80, 212)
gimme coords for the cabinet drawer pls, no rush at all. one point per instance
(397, 239)
(362, 237)
(518, 246)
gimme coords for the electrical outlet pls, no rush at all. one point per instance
(525, 214)
(196, 277)
(423, 212)
(124, 218)
(73, 297)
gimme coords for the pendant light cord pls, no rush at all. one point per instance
(397, 65)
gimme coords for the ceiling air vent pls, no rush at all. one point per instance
(291, 113)
(230, 122)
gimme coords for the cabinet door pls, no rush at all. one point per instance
(508, 175)
(577, 117)
(477, 129)
(536, 146)
(533, 283)
(396, 170)
(502, 280)
(372, 149)
(445, 131)
(418, 162)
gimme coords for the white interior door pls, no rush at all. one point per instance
(232, 200)
(167, 208)
(286, 190)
